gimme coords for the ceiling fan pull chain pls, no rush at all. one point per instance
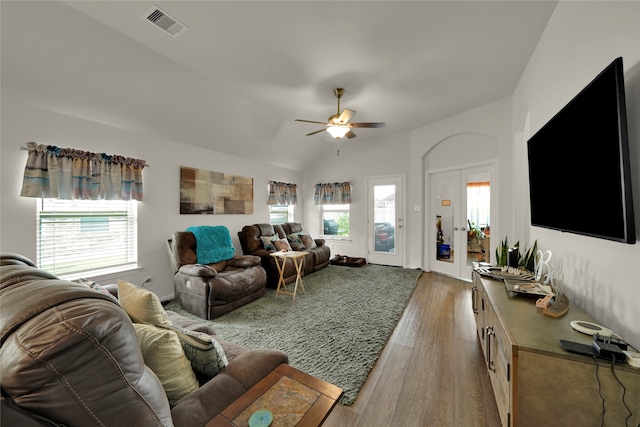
(338, 146)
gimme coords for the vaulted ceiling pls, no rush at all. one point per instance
(244, 70)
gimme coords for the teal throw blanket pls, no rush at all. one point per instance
(213, 243)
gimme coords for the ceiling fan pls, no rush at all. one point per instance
(338, 124)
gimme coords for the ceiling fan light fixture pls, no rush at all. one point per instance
(338, 131)
(338, 125)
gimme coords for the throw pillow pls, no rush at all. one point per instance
(267, 242)
(295, 242)
(294, 238)
(141, 305)
(308, 241)
(163, 354)
(203, 351)
(282, 245)
(298, 246)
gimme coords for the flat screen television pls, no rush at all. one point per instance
(579, 164)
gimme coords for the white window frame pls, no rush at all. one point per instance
(333, 212)
(277, 211)
(86, 238)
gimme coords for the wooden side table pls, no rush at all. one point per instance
(298, 261)
(294, 397)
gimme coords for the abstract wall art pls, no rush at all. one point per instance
(207, 192)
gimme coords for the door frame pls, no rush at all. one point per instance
(430, 231)
(398, 258)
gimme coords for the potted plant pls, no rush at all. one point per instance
(502, 251)
(474, 237)
(526, 260)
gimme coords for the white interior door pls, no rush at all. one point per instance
(444, 220)
(385, 216)
(459, 199)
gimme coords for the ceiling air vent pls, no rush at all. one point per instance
(164, 21)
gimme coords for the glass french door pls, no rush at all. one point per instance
(461, 203)
(385, 220)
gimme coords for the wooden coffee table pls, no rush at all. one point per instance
(293, 397)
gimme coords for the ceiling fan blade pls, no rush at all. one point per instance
(367, 125)
(346, 115)
(338, 125)
(311, 121)
(318, 131)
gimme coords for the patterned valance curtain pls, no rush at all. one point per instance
(65, 173)
(282, 193)
(336, 193)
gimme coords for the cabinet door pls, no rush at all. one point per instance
(568, 392)
(498, 357)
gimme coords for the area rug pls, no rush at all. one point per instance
(335, 331)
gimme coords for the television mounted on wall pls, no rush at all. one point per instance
(579, 164)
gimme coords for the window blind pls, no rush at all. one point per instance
(76, 236)
(279, 214)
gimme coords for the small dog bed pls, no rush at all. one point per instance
(348, 261)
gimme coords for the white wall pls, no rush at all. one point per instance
(357, 161)
(581, 39)
(478, 135)
(159, 213)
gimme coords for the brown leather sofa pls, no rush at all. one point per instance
(321, 253)
(70, 356)
(211, 290)
(251, 242)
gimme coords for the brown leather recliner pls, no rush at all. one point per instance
(211, 290)
(70, 356)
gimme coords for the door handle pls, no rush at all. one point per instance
(490, 364)
(474, 299)
(455, 228)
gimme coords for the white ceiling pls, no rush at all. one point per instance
(237, 79)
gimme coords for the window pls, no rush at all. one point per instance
(76, 236)
(279, 214)
(479, 203)
(335, 219)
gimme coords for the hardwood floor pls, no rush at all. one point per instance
(431, 372)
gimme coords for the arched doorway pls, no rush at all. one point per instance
(460, 191)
